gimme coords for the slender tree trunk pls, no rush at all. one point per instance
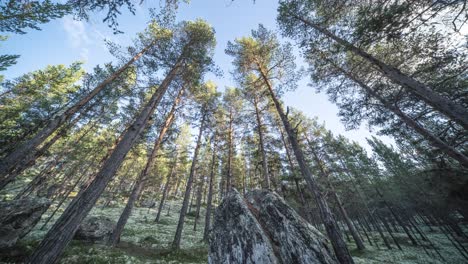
(166, 189)
(358, 221)
(374, 221)
(442, 104)
(339, 245)
(296, 180)
(188, 188)
(325, 175)
(8, 163)
(351, 227)
(389, 231)
(119, 185)
(210, 195)
(141, 180)
(266, 177)
(229, 160)
(58, 237)
(192, 197)
(452, 238)
(397, 218)
(65, 196)
(201, 183)
(176, 189)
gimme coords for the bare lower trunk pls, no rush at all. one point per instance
(389, 231)
(166, 189)
(199, 199)
(397, 218)
(210, 196)
(339, 245)
(351, 227)
(229, 160)
(188, 188)
(326, 176)
(266, 177)
(58, 237)
(29, 147)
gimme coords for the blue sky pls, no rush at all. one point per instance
(66, 40)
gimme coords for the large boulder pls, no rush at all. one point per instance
(18, 217)
(262, 229)
(236, 236)
(95, 229)
(297, 241)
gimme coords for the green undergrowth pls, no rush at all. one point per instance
(144, 241)
(437, 250)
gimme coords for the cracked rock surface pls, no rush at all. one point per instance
(263, 228)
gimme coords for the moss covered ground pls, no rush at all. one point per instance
(144, 241)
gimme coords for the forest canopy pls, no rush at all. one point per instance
(153, 143)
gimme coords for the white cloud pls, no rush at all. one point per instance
(77, 36)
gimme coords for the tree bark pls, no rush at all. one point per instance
(29, 147)
(266, 177)
(201, 183)
(229, 161)
(58, 237)
(325, 175)
(141, 180)
(339, 245)
(454, 111)
(188, 188)
(351, 227)
(166, 189)
(209, 202)
(397, 218)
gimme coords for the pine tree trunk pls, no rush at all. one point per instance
(8, 163)
(377, 226)
(358, 221)
(389, 231)
(188, 188)
(339, 245)
(64, 229)
(397, 218)
(199, 199)
(229, 160)
(351, 227)
(141, 180)
(166, 189)
(454, 111)
(325, 175)
(210, 195)
(266, 177)
(65, 196)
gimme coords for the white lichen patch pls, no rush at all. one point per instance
(144, 241)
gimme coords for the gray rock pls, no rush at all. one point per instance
(263, 229)
(95, 228)
(236, 236)
(148, 203)
(296, 240)
(18, 217)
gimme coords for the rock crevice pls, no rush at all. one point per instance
(262, 228)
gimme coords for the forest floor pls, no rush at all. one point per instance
(144, 241)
